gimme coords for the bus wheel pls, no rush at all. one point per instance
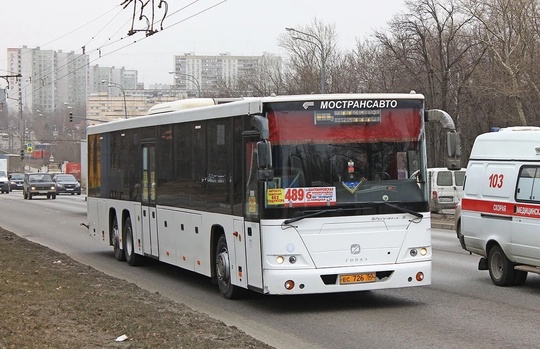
(115, 235)
(501, 270)
(132, 258)
(223, 271)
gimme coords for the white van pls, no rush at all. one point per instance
(445, 188)
(500, 208)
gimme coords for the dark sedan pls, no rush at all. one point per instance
(16, 181)
(67, 184)
(38, 184)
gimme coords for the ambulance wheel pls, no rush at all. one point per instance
(501, 270)
(223, 271)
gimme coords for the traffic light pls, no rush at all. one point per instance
(22, 154)
(70, 117)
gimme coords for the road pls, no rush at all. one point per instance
(461, 309)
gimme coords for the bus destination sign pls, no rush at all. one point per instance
(347, 116)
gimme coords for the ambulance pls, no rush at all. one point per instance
(500, 208)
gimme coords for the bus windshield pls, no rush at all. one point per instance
(336, 158)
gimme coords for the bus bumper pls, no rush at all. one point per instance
(329, 280)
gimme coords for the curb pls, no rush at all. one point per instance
(441, 225)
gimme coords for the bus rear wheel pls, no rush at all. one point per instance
(501, 270)
(132, 258)
(115, 236)
(223, 271)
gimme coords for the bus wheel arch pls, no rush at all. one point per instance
(222, 267)
(115, 236)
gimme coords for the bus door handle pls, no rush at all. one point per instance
(249, 231)
(144, 213)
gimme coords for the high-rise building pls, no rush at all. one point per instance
(203, 75)
(49, 79)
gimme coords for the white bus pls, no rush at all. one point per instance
(279, 195)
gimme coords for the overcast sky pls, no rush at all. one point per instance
(240, 27)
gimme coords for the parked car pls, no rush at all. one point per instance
(67, 184)
(16, 181)
(4, 182)
(38, 184)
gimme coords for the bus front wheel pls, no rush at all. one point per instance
(223, 271)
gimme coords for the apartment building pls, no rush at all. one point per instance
(205, 75)
(48, 79)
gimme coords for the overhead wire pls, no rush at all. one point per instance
(101, 55)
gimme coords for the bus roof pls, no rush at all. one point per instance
(204, 112)
(511, 143)
(209, 108)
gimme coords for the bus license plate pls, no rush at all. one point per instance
(356, 278)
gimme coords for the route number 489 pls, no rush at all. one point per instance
(496, 180)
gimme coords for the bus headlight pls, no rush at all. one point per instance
(282, 259)
(423, 251)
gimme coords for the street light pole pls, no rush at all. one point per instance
(319, 45)
(192, 78)
(114, 84)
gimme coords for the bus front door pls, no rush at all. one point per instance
(149, 219)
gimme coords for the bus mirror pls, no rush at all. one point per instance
(265, 175)
(454, 144)
(264, 161)
(264, 152)
(261, 124)
(454, 151)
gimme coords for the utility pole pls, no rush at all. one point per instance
(6, 77)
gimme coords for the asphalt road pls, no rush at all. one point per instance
(461, 309)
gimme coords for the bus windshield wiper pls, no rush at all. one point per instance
(403, 209)
(311, 214)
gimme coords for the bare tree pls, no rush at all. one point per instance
(433, 46)
(312, 50)
(509, 30)
(269, 77)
